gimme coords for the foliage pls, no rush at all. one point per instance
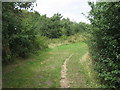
(56, 26)
(51, 28)
(67, 28)
(26, 31)
(19, 31)
(105, 41)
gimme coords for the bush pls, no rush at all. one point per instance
(105, 41)
(20, 32)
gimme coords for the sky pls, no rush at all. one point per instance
(71, 9)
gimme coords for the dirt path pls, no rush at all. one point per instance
(64, 83)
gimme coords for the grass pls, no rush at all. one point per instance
(44, 69)
(65, 40)
(81, 73)
(76, 78)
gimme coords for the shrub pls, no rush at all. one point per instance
(105, 41)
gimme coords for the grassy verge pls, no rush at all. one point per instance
(80, 70)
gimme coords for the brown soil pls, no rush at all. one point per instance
(64, 83)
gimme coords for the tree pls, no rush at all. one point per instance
(19, 31)
(67, 27)
(51, 27)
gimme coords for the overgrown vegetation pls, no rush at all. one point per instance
(27, 31)
(105, 41)
(19, 31)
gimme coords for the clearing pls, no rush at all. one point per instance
(61, 66)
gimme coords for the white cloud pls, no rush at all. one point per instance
(68, 8)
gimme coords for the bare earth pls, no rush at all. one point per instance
(64, 83)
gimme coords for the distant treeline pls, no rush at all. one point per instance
(55, 26)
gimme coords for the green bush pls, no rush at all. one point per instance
(105, 41)
(20, 32)
(41, 42)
